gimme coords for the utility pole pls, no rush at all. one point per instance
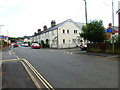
(113, 14)
(86, 11)
(86, 15)
(113, 24)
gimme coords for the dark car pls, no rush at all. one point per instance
(83, 47)
(35, 45)
(15, 45)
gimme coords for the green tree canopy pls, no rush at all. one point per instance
(118, 39)
(94, 32)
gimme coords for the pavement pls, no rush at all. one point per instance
(13, 74)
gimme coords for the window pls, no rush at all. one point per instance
(74, 40)
(75, 31)
(63, 31)
(63, 40)
(67, 31)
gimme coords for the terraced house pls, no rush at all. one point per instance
(62, 35)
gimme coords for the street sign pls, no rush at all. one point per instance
(109, 30)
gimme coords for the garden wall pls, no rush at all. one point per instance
(103, 47)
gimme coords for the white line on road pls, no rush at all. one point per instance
(17, 57)
(10, 53)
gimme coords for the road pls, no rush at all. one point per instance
(65, 70)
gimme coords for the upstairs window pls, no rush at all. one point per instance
(63, 31)
(67, 31)
(75, 31)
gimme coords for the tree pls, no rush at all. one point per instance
(118, 39)
(42, 43)
(47, 43)
(94, 32)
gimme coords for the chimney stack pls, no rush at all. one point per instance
(45, 27)
(39, 30)
(35, 33)
(53, 23)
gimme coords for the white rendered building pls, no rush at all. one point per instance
(62, 35)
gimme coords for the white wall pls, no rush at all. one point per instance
(52, 35)
(68, 36)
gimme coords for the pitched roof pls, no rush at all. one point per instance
(118, 11)
(78, 24)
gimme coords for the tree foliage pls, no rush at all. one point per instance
(118, 40)
(94, 32)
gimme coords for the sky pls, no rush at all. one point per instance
(24, 17)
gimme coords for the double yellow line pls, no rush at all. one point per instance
(39, 76)
(8, 60)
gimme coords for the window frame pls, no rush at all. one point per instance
(63, 41)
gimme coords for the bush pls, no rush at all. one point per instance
(118, 39)
(42, 44)
(107, 41)
(3, 43)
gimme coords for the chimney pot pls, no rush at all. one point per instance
(39, 30)
(45, 27)
(53, 23)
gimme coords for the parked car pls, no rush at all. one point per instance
(26, 45)
(15, 45)
(35, 45)
(22, 44)
(83, 47)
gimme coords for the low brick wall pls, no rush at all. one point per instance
(102, 47)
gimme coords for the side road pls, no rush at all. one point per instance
(77, 51)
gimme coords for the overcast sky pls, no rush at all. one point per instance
(24, 17)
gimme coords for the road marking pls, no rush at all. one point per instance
(39, 76)
(13, 53)
(8, 60)
(10, 53)
(17, 57)
(35, 82)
